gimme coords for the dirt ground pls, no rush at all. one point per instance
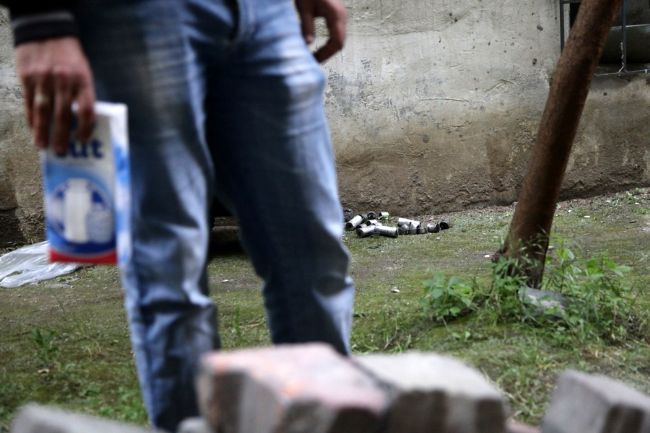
(65, 341)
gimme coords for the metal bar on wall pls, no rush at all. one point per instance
(623, 71)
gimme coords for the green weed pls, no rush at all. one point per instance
(447, 298)
(46, 346)
(597, 303)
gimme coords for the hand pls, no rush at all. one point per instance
(55, 73)
(336, 19)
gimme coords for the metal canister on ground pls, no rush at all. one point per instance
(414, 227)
(402, 221)
(391, 232)
(354, 222)
(365, 231)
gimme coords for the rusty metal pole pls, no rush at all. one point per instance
(533, 217)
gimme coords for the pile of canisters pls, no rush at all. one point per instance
(372, 224)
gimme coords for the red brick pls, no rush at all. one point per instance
(303, 388)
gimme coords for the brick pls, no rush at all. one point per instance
(432, 393)
(41, 419)
(298, 389)
(194, 425)
(583, 403)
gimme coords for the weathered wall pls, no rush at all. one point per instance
(434, 105)
(20, 199)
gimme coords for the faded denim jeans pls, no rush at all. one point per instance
(224, 99)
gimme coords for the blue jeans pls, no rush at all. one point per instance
(224, 99)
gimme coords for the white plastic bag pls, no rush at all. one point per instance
(30, 264)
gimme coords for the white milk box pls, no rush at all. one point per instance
(86, 192)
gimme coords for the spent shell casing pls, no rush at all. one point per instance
(421, 229)
(433, 228)
(401, 221)
(383, 215)
(444, 225)
(354, 222)
(371, 216)
(365, 231)
(391, 232)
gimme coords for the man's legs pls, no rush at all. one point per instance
(274, 163)
(140, 56)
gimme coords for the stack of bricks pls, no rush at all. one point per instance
(311, 389)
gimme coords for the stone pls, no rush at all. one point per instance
(347, 215)
(544, 302)
(195, 425)
(516, 427)
(305, 388)
(42, 419)
(433, 393)
(583, 403)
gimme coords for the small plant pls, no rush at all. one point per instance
(447, 298)
(46, 345)
(502, 300)
(596, 302)
(599, 303)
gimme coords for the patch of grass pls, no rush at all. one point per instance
(66, 342)
(596, 301)
(448, 298)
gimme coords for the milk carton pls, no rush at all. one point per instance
(87, 193)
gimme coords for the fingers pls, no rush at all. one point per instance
(63, 93)
(55, 74)
(42, 111)
(306, 12)
(335, 16)
(49, 108)
(28, 98)
(334, 43)
(337, 20)
(85, 111)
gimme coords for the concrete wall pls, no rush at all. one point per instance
(20, 197)
(434, 105)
